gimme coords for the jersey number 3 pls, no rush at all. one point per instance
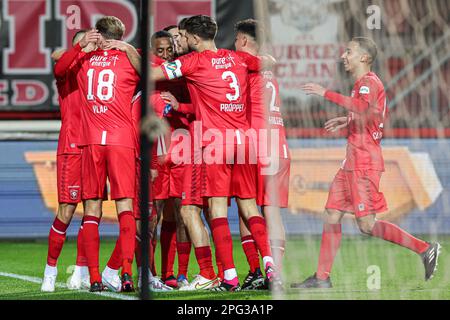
(234, 84)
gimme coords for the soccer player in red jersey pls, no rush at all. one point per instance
(273, 183)
(108, 81)
(355, 188)
(68, 163)
(217, 80)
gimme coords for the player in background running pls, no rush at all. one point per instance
(355, 188)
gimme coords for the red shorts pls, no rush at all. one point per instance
(356, 192)
(68, 176)
(115, 162)
(160, 186)
(176, 179)
(273, 189)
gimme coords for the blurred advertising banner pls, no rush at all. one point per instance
(305, 43)
(409, 182)
(31, 30)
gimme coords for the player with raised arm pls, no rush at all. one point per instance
(192, 203)
(217, 82)
(355, 188)
(108, 81)
(272, 187)
(68, 163)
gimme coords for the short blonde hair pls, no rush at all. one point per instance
(110, 27)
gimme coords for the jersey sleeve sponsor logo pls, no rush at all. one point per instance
(173, 69)
(364, 90)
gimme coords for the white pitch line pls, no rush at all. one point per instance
(62, 285)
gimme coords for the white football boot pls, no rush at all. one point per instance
(48, 283)
(111, 279)
(201, 283)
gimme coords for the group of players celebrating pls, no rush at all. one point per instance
(226, 140)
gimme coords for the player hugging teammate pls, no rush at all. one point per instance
(100, 74)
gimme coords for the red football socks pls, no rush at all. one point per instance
(223, 242)
(184, 252)
(115, 261)
(81, 255)
(91, 246)
(251, 252)
(56, 239)
(204, 259)
(331, 240)
(127, 234)
(390, 232)
(278, 247)
(218, 264)
(257, 226)
(168, 247)
(137, 251)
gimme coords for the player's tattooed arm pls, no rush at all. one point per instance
(157, 74)
(336, 124)
(349, 103)
(132, 54)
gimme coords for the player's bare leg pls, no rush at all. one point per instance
(191, 216)
(127, 234)
(257, 226)
(429, 252)
(183, 246)
(56, 239)
(277, 234)
(331, 240)
(254, 279)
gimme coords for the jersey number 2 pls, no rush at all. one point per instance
(273, 107)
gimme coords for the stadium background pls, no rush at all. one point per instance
(413, 37)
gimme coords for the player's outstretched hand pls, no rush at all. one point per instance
(90, 36)
(314, 89)
(170, 99)
(336, 124)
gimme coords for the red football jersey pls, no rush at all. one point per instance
(217, 83)
(69, 102)
(365, 129)
(265, 112)
(107, 82)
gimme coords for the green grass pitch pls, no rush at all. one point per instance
(365, 268)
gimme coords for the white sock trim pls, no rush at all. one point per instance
(230, 274)
(50, 271)
(266, 260)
